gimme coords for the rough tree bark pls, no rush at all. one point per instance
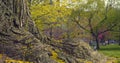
(18, 34)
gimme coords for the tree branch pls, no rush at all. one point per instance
(107, 9)
(80, 25)
(90, 24)
(40, 16)
(108, 29)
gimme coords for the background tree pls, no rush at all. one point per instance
(95, 14)
(49, 18)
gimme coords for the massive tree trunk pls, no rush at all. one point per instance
(18, 34)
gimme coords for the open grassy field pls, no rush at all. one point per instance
(112, 50)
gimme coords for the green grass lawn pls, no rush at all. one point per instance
(112, 50)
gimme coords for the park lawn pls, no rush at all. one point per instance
(112, 50)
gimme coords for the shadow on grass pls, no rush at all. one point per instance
(110, 49)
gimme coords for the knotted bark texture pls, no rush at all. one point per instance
(18, 34)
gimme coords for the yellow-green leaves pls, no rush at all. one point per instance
(49, 15)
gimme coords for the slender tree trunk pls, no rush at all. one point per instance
(97, 43)
(119, 38)
(119, 43)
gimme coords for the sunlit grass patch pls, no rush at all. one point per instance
(112, 50)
